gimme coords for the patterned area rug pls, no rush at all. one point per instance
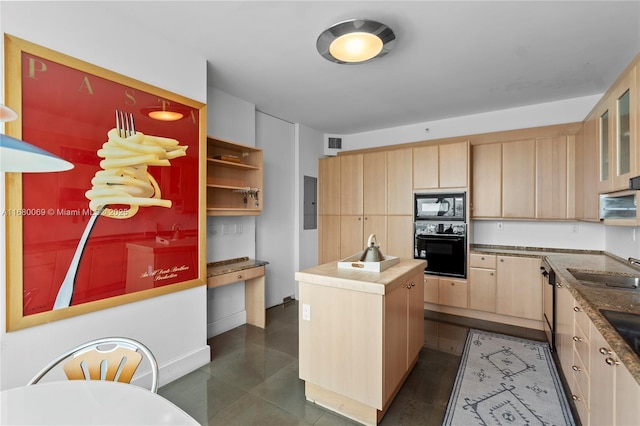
(505, 380)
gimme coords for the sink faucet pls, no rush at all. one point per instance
(634, 261)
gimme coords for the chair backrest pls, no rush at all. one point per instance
(111, 358)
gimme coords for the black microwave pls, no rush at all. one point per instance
(440, 206)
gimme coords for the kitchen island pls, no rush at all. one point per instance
(360, 334)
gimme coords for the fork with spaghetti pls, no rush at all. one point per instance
(122, 181)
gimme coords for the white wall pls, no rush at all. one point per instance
(564, 235)
(174, 325)
(566, 111)
(232, 119)
(275, 232)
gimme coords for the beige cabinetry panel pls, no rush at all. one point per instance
(603, 390)
(623, 103)
(486, 191)
(328, 238)
(351, 187)
(586, 171)
(374, 186)
(431, 289)
(328, 209)
(518, 179)
(617, 132)
(454, 165)
(329, 186)
(519, 279)
(426, 167)
(452, 292)
(482, 282)
(441, 166)
(399, 237)
(399, 182)
(357, 347)
(232, 168)
(614, 395)
(564, 326)
(551, 178)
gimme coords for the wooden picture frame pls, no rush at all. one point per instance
(68, 107)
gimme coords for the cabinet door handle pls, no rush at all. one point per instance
(577, 339)
(605, 351)
(576, 398)
(576, 368)
(482, 258)
(611, 361)
(559, 285)
(452, 283)
(239, 276)
(577, 309)
(491, 274)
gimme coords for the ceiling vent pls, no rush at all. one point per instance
(335, 143)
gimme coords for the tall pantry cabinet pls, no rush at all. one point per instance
(364, 194)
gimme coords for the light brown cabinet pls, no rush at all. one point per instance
(586, 171)
(603, 390)
(482, 282)
(519, 279)
(452, 292)
(552, 183)
(358, 345)
(617, 133)
(441, 166)
(524, 179)
(234, 179)
(328, 209)
(518, 179)
(486, 194)
(353, 198)
(398, 182)
(431, 289)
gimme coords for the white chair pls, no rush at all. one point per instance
(109, 358)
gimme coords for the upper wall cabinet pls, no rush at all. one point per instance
(441, 166)
(234, 179)
(329, 186)
(524, 179)
(486, 194)
(616, 130)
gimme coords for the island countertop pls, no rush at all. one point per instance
(329, 274)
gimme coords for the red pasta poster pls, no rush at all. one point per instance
(147, 236)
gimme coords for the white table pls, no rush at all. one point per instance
(80, 402)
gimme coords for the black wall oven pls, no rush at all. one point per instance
(443, 246)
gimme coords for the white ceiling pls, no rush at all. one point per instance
(452, 58)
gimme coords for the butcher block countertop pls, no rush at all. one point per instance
(591, 299)
(329, 274)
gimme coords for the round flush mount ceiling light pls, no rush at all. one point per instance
(355, 41)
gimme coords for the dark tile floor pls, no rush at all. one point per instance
(253, 376)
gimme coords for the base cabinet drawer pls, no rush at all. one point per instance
(452, 292)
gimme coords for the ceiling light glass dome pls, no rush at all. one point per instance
(355, 41)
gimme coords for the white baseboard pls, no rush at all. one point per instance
(177, 367)
(225, 324)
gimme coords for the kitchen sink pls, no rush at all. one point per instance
(627, 325)
(603, 279)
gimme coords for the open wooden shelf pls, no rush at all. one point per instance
(229, 183)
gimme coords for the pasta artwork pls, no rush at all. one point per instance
(124, 179)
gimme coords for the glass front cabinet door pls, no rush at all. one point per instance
(617, 134)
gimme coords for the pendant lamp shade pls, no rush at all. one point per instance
(20, 156)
